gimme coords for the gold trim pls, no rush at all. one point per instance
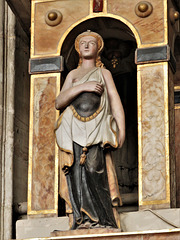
(65, 150)
(115, 133)
(93, 219)
(50, 211)
(154, 202)
(29, 210)
(90, 6)
(43, 1)
(32, 28)
(30, 145)
(165, 22)
(139, 134)
(105, 6)
(166, 134)
(148, 45)
(56, 178)
(177, 107)
(176, 88)
(166, 124)
(85, 119)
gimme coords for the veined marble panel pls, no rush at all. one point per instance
(153, 134)
(152, 29)
(45, 38)
(42, 163)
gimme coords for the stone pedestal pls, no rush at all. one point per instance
(145, 235)
(150, 220)
(40, 228)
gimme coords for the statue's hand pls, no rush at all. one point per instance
(93, 86)
(66, 170)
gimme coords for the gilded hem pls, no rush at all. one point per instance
(85, 119)
(93, 219)
(58, 122)
(109, 143)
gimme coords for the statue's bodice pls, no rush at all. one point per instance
(86, 103)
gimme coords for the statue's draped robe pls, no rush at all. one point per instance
(90, 190)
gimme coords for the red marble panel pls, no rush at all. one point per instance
(46, 38)
(151, 29)
(43, 157)
(97, 5)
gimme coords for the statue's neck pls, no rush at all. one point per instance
(81, 72)
(88, 63)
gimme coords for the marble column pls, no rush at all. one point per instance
(7, 50)
(2, 2)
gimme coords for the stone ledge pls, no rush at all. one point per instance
(167, 234)
(150, 220)
(40, 227)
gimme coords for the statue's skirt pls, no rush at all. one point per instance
(88, 183)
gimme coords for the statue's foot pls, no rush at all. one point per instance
(96, 225)
(85, 225)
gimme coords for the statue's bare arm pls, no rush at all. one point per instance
(69, 92)
(116, 105)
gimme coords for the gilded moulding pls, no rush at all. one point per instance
(177, 88)
(176, 107)
(31, 125)
(166, 136)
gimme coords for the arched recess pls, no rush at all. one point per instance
(118, 57)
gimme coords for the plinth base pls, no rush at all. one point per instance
(40, 227)
(166, 234)
(85, 232)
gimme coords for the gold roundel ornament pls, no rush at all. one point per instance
(173, 15)
(143, 9)
(53, 17)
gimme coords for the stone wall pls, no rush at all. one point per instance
(21, 120)
(14, 116)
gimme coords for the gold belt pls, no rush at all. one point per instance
(85, 119)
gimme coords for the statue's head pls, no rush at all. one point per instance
(100, 45)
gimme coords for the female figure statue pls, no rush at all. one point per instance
(91, 125)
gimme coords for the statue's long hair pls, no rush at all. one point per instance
(100, 43)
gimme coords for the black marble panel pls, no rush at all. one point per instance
(46, 65)
(151, 54)
(155, 54)
(176, 97)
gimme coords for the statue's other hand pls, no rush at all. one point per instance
(93, 86)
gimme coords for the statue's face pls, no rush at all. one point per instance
(88, 47)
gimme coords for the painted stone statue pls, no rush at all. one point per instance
(91, 125)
